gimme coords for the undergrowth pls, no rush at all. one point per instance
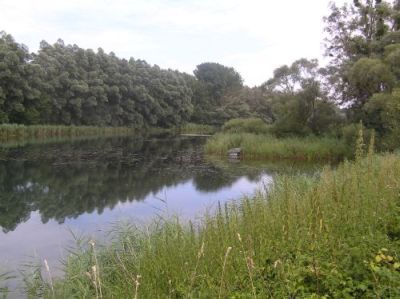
(192, 128)
(14, 132)
(246, 125)
(264, 147)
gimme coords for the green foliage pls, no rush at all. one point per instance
(19, 83)
(216, 93)
(299, 74)
(67, 85)
(12, 132)
(363, 41)
(350, 133)
(191, 128)
(218, 77)
(299, 103)
(91, 88)
(392, 59)
(360, 29)
(246, 125)
(310, 237)
(368, 76)
(261, 147)
(382, 113)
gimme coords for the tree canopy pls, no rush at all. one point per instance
(65, 84)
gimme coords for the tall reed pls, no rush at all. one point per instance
(332, 235)
(192, 128)
(14, 132)
(264, 147)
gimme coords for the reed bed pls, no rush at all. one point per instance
(332, 235)
(267, 147)
(247, 125)
(192, 128)
(14, 132)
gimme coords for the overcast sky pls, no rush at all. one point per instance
(253, 36)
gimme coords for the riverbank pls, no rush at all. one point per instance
(21, 134)
(268, 147)
(334, 235)
(14, 132)
(197, 129)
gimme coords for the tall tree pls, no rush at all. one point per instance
(19, 96)
(357, 35)
(299, 103)
(215, 83)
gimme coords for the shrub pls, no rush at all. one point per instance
(246, 125)
(266, 147)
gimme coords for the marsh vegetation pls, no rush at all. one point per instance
(332, 235)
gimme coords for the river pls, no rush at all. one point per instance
(51, 194)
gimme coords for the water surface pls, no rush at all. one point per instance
(48, 192)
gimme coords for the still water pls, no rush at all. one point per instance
(50, 192)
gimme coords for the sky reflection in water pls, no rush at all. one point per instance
(85, 187)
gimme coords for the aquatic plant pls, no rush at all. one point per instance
(14, 132)
(332, 235)
(267, 147)
(246, 125)
(192, 128)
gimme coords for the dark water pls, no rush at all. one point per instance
(50, 192)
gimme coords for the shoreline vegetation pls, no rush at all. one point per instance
(255, 138)
(331, 235)
(197, 129)
(15, 132)
(259, 141)
(12, 135)
(65, 84)
(268, 147)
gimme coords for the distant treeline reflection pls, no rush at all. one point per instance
(66, 180)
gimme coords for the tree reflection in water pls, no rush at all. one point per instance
(65, 180)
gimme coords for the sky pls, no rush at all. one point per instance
(253, 36)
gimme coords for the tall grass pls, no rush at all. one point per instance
(13, 132)
(4, 278)
(259, 147)
(192, 128)
(335, 235)
(246, 125)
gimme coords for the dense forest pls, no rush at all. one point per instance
(65, 84)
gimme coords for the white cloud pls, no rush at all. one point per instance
(253, 36)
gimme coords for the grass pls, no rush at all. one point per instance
(246, 125)
(264, 147)
(4, 278)
(51, 140)
(21, 134)
(333, 235)
(14, 132)
(192, 128)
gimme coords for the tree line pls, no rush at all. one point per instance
(65, 84)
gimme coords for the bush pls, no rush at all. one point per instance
(192, 128)
(246, 125)
(266, 147)
(16, 132)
